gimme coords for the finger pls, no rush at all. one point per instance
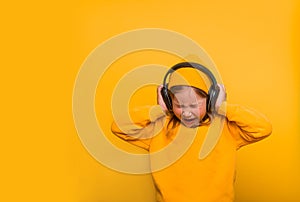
(159, 87)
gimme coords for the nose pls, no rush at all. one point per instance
(186, 113)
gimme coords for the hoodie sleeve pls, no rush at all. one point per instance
(246, 125)
(145, 123)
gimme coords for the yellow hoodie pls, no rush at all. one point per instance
(190, 179)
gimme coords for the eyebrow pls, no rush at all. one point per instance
(192, 104)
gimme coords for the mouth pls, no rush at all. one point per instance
(189, 121)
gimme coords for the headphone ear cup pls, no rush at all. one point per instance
(213, 94)
(166, 97)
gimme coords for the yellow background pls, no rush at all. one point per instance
(255, 45)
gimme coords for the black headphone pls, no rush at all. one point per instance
(212, 93)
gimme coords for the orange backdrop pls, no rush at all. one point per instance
(255, 46)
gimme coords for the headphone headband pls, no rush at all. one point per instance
(194, 65)
(212, 93)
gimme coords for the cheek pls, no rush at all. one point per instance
(177, 111)
(197, 112)
(202, 110)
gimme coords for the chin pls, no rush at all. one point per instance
(191, 125)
